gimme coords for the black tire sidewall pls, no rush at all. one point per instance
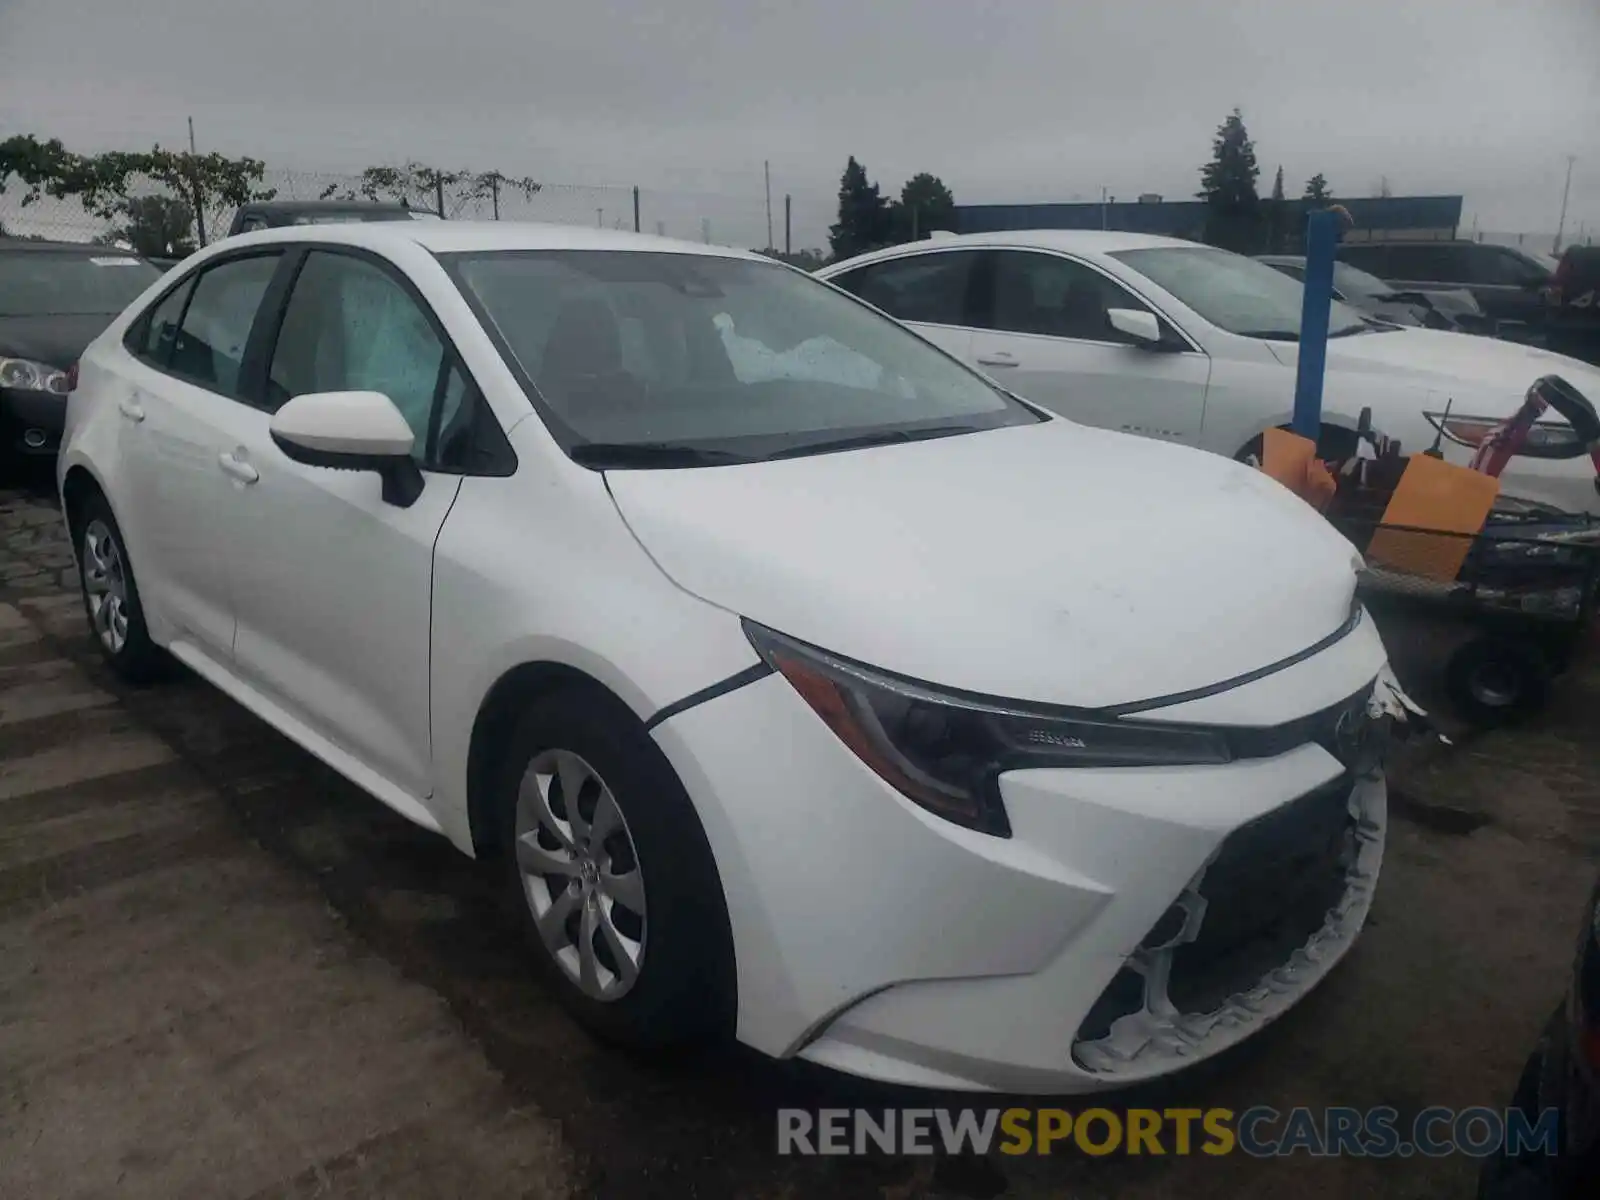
(685, 991)
(140, 659)
(1522, 659)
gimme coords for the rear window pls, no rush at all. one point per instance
(45, 283)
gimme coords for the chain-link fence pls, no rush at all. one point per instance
(150, 214)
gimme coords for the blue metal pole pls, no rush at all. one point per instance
(1322, 238)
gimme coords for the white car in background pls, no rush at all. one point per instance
(1192, 344)
(799, 682)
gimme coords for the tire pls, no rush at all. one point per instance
(1496, 680)
(111, 595)
(640, 869)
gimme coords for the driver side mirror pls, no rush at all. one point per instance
(1141, 326)
(351, 431)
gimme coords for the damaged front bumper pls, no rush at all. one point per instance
(1272, 911)
(876, 939)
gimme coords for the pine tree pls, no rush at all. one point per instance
(1228, 186)
(863, 215)
(1317, 189)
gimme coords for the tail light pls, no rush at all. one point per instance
(72, 378)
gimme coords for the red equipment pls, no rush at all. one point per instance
(1510, 438)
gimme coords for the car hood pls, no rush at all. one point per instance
(56, 341)
(1470, 368)
(1052, 562)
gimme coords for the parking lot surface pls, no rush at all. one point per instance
(225, 972)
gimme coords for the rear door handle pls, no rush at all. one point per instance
(237, 468)
(130, 409)
(1001, 359)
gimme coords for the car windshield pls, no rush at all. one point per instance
(1353, 281)
(667, 359)
(49, 283)
(1235, 293)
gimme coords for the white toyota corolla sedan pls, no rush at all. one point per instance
(1192, 344)
(802, 684)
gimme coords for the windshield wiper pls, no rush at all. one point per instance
(862, 441)
(622, 455)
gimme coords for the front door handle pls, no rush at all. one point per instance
(237, 468)
(1001, 359)
(130, 409)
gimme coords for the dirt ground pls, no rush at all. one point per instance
(224, 972)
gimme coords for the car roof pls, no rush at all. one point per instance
(1072, 241)
(449, 237)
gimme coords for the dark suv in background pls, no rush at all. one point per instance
(1510, 285)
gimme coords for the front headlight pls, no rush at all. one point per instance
(946, 750)
(28, 376)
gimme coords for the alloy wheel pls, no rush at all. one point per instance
(580, 874)
(105, 583)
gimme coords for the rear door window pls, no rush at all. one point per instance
(152, 337)
(932, 288)
(1058, 297)
(209, 347)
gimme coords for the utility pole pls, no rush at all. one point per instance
(705, 229)
(194, 188)
(599, 218)
(1561, 225)
(788, 223)
(636, 209)
(1103, 208)
(766, 170)
(494, 193)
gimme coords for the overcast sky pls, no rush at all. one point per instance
(1021, 100)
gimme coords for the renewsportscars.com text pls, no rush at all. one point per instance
(1261, 1132)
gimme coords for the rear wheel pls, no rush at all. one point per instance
(612, 875)
(111, 595)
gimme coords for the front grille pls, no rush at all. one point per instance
(1319, 727)
(1273, 885)
(1269, 888)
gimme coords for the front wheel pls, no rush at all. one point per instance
(613, 876)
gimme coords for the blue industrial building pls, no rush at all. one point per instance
(1376, 218)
